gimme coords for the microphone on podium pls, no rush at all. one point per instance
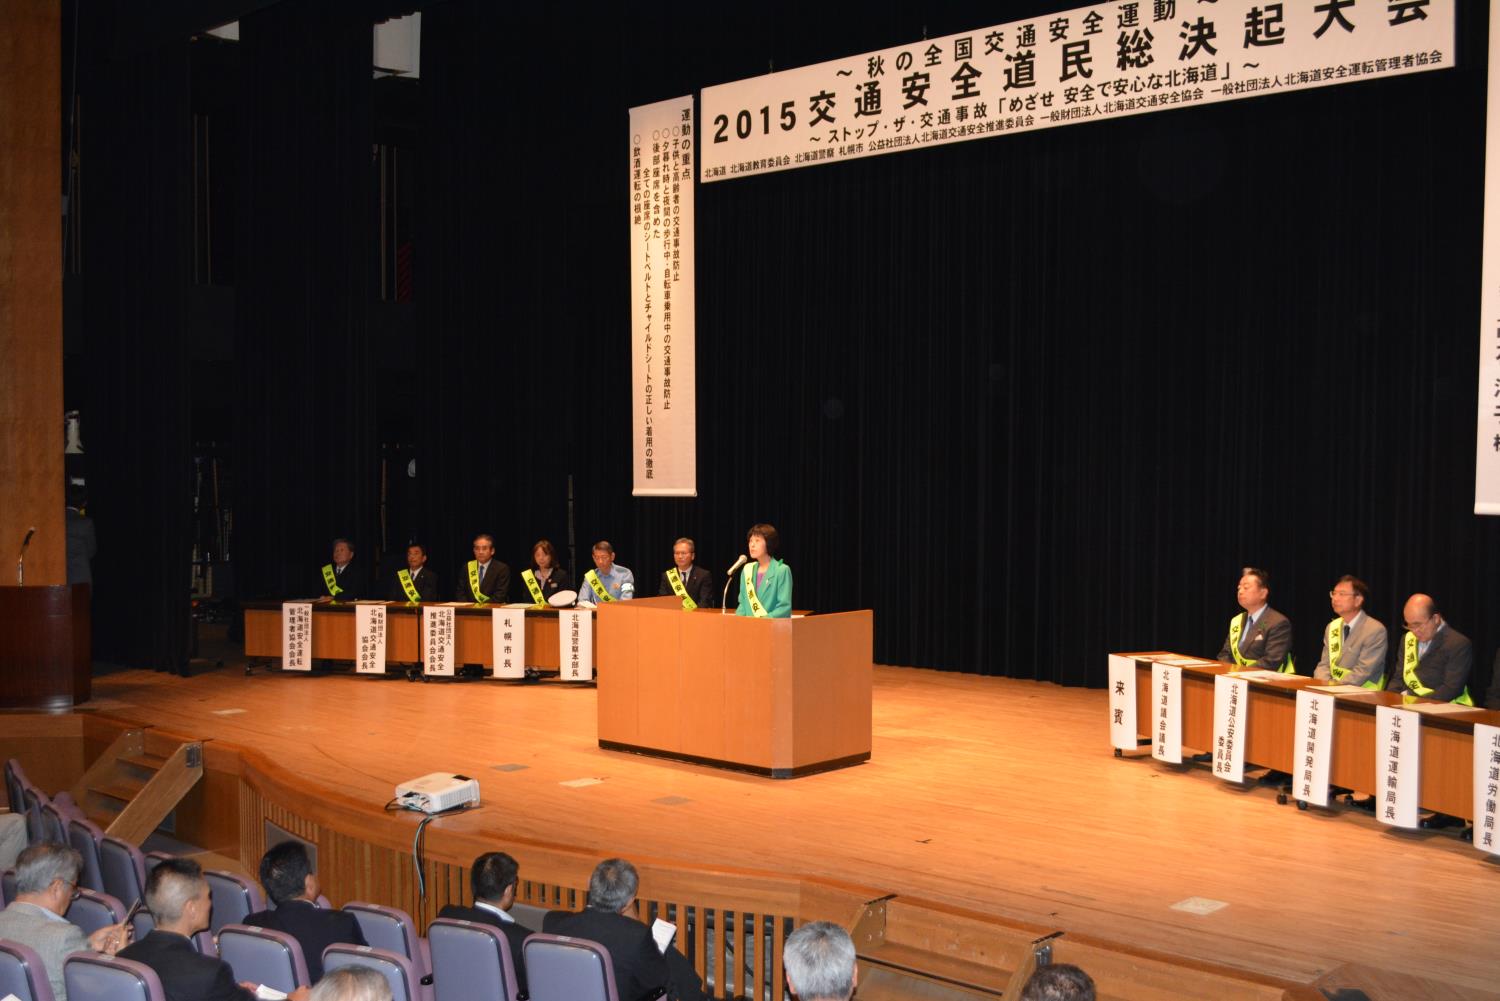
(21, 560)
(729, 578)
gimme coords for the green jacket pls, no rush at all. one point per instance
(775, 593)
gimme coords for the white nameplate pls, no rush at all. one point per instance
(1486, 785)
(1122, 732)
(508, 629)
(1167, 687)
(1312, 746)
(575, 644)
(1398, 766)
(1231, 705)
(369, 639)
(437, 640)
(296, 636)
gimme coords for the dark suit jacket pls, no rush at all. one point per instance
(639, 966)
(185, 973)
(1445, 669)
(515, 933)
(427, 586)
(314, 927)
(496, 583)
(1265, 644)
(560, 580)
(353, 580)
(81, 547)
(700, 587)
(1492, 699)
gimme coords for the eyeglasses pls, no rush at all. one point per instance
(1340, 594)
(1414, 626)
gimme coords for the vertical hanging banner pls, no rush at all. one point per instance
(1487, 445)
(508, 630)
(296, 636)
(369, 637)
(1486, 787)
(1231, 703)
(662, 305)
(1088, 64)
(1312, 746)
(1122, 732)
(1167, 745)
(575, 644)
(1398, 765)
(437, 640)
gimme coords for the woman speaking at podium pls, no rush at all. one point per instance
(766, 583)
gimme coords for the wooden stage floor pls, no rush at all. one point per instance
(996, 795)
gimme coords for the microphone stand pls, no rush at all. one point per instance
(729, 579)
(21, 560)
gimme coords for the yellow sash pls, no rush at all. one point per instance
(1409, 660)
(675, 579)
(756, 608)
(331, 581)
(1336, 649)
(479, 596)
(534, 588)
(409, 586)
(1236, 624)
(592, 578)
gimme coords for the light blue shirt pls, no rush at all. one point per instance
(613, 581)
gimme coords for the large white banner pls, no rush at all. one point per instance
(663, 405)
(1103, 61)
(1487, 444)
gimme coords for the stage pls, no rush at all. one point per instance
(998, 796)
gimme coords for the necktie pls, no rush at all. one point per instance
(1245, 634)
(1346, 632)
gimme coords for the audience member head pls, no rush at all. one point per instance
(612, 886)
(1254, 589)
(684, 551)
(604, 556)
(1421, 617)
(819, 963)
(1059, 982)
(352, 983)
(343, 552)
(484, 548)
(287, 874)
(47, 876)
(769, 540)
(416, 557)
(178, 896)
(493, 879)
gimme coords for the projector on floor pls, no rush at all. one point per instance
(438, 792)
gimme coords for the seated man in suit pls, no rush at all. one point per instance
(342, 580)
(819, 962)
(416, 582)
(487, 578)
(46, 878)
(1435, 658)
(610, 919)
(352, 983)
(695, 583)
(1354, 643)
(180, 900)
(1260, 636)
(492, 879)
(286, 873)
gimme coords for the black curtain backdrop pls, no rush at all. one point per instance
(305, 438)
(1033, 399)
(136, 163)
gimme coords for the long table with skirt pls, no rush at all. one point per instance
(333, 633)
(1447, 760)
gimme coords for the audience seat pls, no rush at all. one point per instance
(393, 929)
(122, 867)
(22, 972)
(84, 837)
(470, 960)
(91, 977)
(235, 898)
(396, 968)
(559, 968)
(92, 911)
(263, 956)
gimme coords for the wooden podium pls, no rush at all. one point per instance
(777, 697)
(45, 652)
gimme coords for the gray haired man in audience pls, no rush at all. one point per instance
(1060, 982)
(352, 983)
(46, 882)
(819, 963)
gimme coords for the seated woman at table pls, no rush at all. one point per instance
(766, 582)
(550, 577)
